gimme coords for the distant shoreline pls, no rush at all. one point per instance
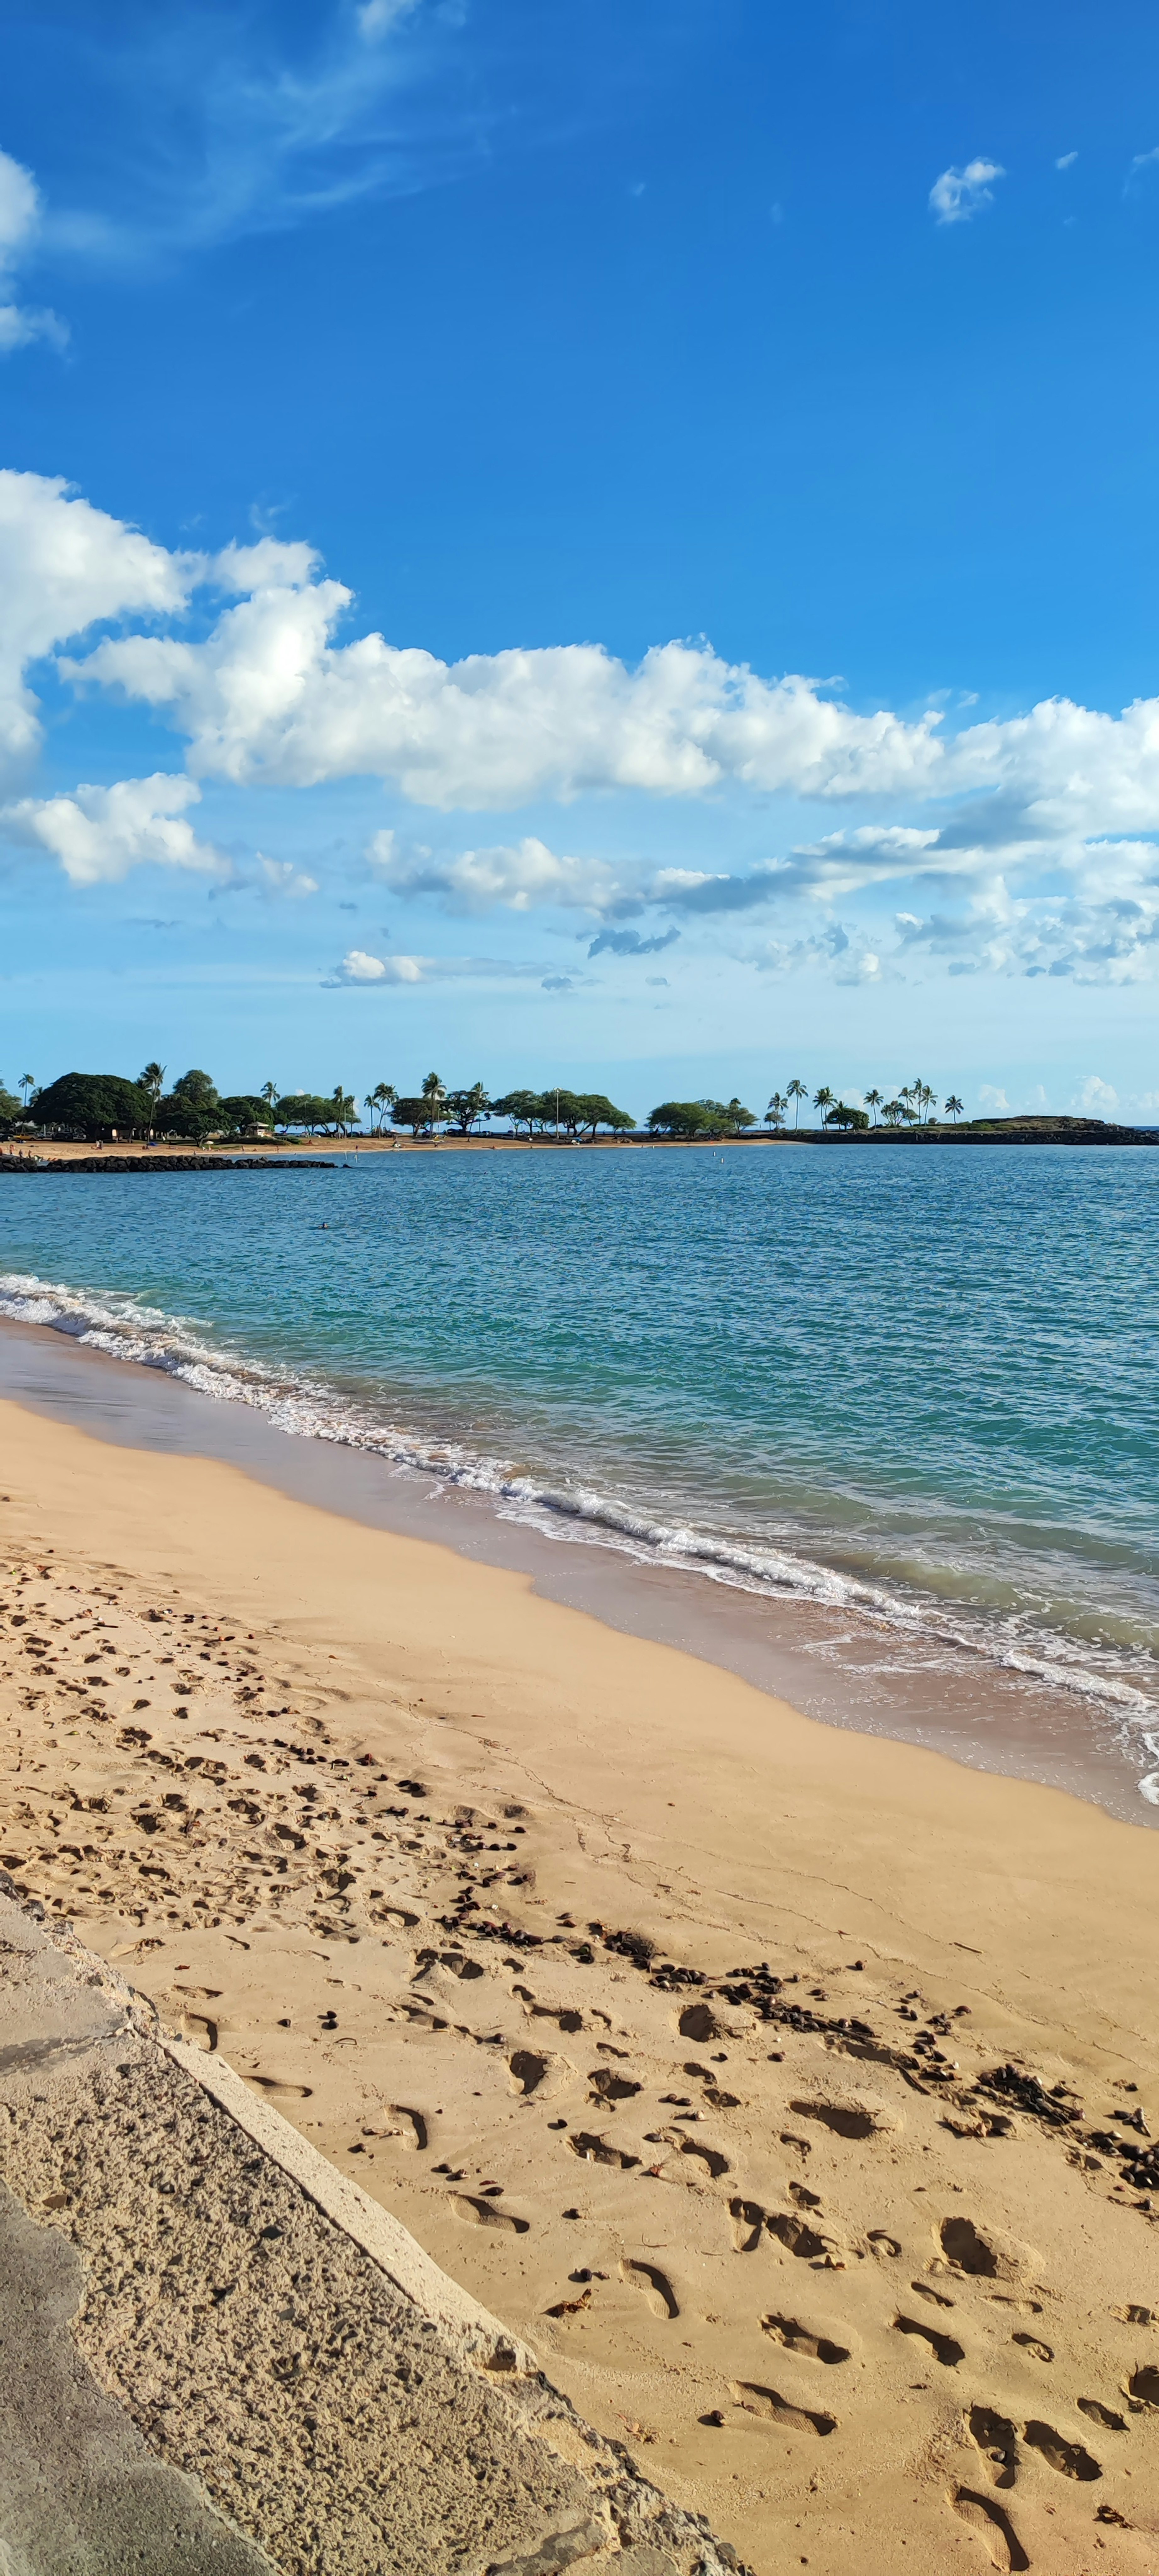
(328, 1157)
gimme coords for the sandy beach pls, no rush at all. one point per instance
(791, 2091)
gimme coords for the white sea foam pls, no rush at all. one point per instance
(307, 1407)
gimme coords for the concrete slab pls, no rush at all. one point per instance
(218, 2354)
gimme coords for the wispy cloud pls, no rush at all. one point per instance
(959, 195)
(214, 126)
(1143, 161)
(1066, 160)
(21, 215)
(628, 943)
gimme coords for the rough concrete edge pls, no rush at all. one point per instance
(384, 2238)
(541, 2410)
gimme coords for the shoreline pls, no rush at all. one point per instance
(833, 1662)
(392, 1832)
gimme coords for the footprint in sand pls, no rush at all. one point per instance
(747, 2220)
(482, 2213)
(1143, 2385)
(1030, 2343)
(401, 2127)
(885, 2247)
(200, 2031)
(708, 2158)
(797, 2338)
(993, 2528)
(526, 2070)
(935, 2296)
(942, 2346)
(596, 2151)
(1069, 2458)
(653, 2285)
(1103, 2415)
(997, 2439)
(698, 2023)
(768, 2402)
(964, 2247)
(844, 2119)
(275, 2084)
(604, 2086)
(793, 2233)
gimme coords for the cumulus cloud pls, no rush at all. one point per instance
(20, 220)
(516, 876)
(63, 566)
(358, 967)
(1052, 811)
(99, 833)
(958, 195)
(1096, 1098)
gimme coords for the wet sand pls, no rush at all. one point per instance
(791, 2089)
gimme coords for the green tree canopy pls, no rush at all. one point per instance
(843, 1116)
(304, 1109)
(466, 1108)
(10, 1107)
(596, 1110)
(93, 1104)
(416, 1112)
(523, 1108)
(243, 1110)
(700, 1118)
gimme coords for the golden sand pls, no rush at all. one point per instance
(674, 2025)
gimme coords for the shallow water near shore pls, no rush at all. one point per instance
(891, 1418)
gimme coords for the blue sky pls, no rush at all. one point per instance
(602, 543)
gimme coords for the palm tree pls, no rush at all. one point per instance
(797, 1091)
(873, 1101)
(893, 1112)
(434, 1094)
(26, 1084)
(775, 1113)
(342, 1108)
(954, 1107)
(823, 1100)
(152, 1080)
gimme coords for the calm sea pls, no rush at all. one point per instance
(919, 1389)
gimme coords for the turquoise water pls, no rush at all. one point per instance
(920, 1386)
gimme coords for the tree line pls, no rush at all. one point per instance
(193, 1111)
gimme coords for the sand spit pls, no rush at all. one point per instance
(793, 2095)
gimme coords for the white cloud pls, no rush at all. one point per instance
(1066, 160)
(1142, 161)
(1096, 1098)
(20, 221)
(516, 876)
(64, 565)
(358, 967)
(961, 194)
(991, 1098)
(269, 697)
(100, 833)
(282, 877)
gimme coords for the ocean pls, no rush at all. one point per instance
(902, 1404)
